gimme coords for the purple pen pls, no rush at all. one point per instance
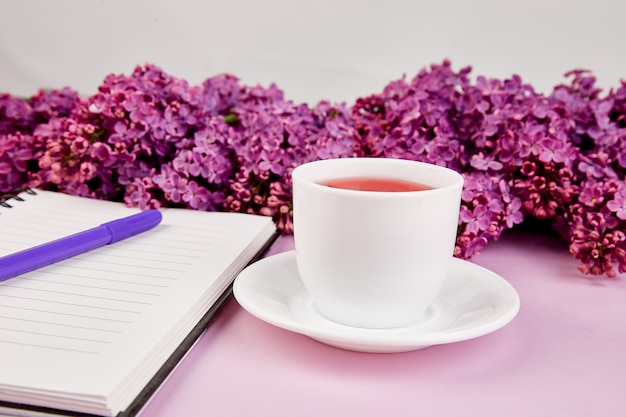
(107, 233)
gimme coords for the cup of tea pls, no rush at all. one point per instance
(374, 237)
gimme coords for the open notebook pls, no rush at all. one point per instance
(97, 333)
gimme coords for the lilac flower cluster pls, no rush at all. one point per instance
(558, 158)
(152, 140)
(19, 150)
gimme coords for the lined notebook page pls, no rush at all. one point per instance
(80, 326)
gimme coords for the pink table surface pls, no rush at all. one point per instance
(563, 355)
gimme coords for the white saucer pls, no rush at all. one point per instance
(473, 302)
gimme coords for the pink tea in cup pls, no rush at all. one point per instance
(375, 184)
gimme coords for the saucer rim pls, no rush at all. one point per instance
(398, 339)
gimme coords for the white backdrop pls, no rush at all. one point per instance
(326, 49)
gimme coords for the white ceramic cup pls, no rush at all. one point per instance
(374, 259)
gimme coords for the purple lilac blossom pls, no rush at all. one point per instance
(152, 140)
